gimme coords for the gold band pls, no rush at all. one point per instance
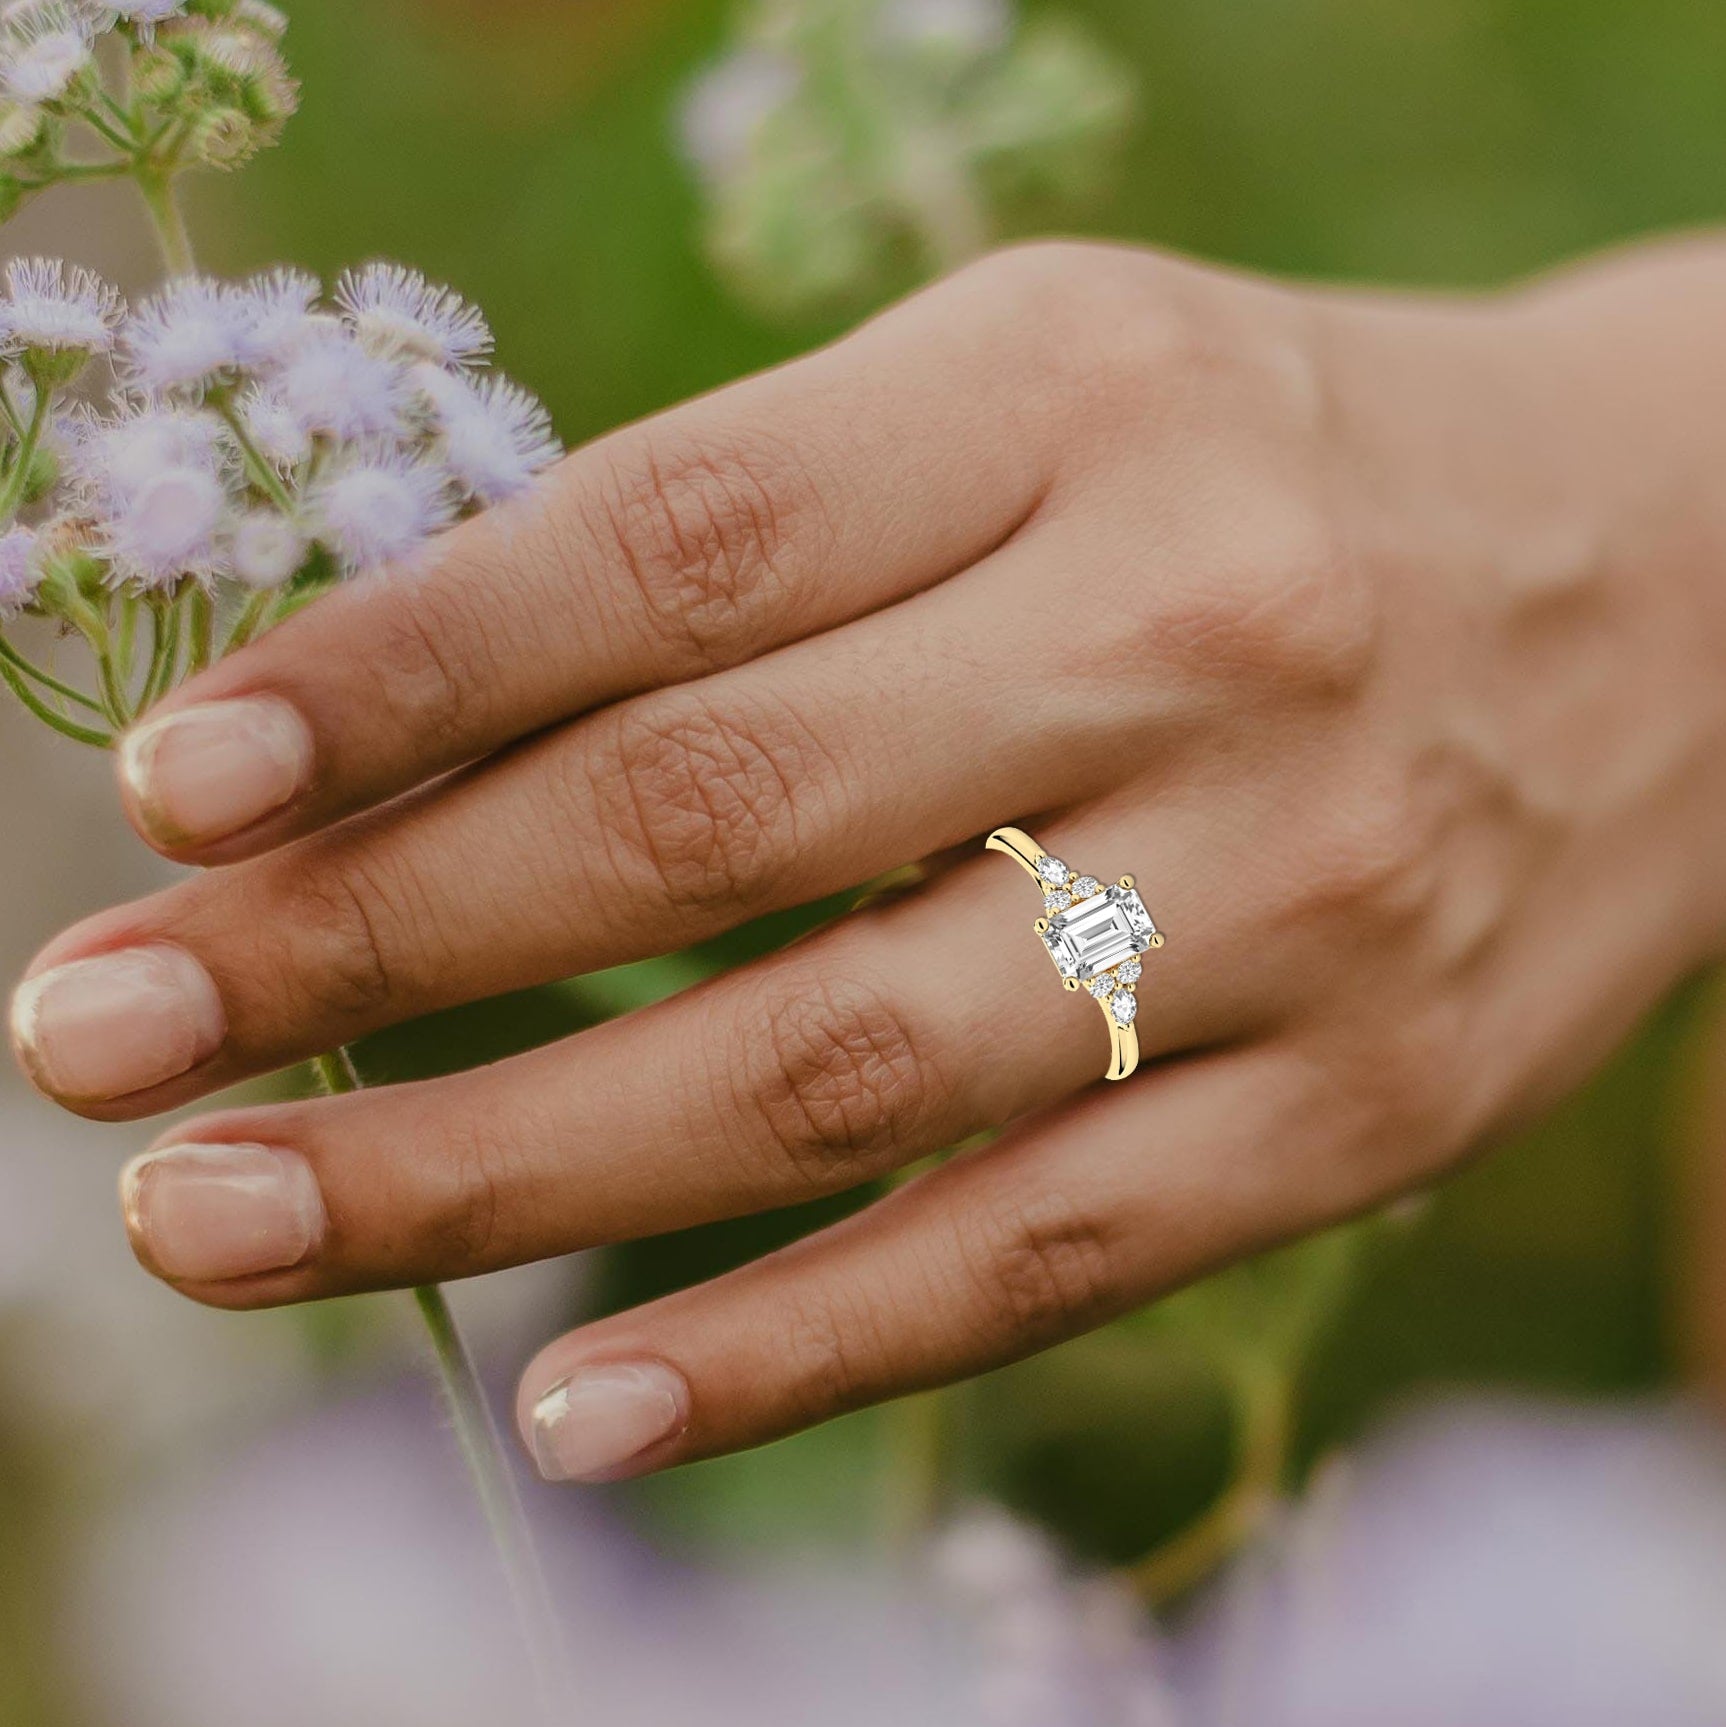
(1094, 934)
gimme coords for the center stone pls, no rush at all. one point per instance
(1099, 933)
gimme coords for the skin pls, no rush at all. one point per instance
(1382, 639)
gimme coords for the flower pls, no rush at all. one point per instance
(19, 574)
(275, 311)
(170, 527)
(728, 104)
(146, 11)
(496, 436)
(1485, 1562)
(971, 28)
(396, 311)
(275, 430)
(113, 459)
(1048, 1647)
(378, 506)
(45, 48)
(186, 339)
(50, 309)
(332, 385)
(268, 549)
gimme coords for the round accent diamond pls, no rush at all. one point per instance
(1054, 871)
(1129, 971)
(1085, 886)
(1056, 902)
(1125, 1007)
(1101, 986)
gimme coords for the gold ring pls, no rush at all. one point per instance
(1094, 935)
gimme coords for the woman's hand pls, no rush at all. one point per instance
(1383, 641)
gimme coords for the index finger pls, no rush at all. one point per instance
(776, 509)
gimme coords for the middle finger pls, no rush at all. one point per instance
(630, 833)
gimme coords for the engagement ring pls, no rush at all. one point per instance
(1094, 935)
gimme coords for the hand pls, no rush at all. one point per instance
(1383, 641)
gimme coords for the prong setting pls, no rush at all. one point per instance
(1094, 935)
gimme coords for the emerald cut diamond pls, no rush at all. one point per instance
(1099, 933)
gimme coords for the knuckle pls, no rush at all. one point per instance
(839, 1087)
(707, 802)
(1372, 868)
(344, 916)
(1409, 1109)
(835, 1354)
(422, 658)
(1281, 607)
(1044, 1268)
(703, 531)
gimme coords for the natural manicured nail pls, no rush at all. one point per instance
(595, 1424)
(104, 1028)
(206, 772)
(210, 1213)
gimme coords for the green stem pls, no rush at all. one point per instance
(114, 170)
(487, 1461)
(201, 615)
(65, 727)
(164, 653)
(1264, 1412)
(18, 481)
(266, 477)
(248, 623)
(114, 696)
(95, 122)
(172, 235)
(47, 679)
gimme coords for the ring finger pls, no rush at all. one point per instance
(891, 1035)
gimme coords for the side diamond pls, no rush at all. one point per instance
(1057, 902)
(1125, 1007)
(1052, 870)
(1085, 886)
(1129, 971)
(1101, 986)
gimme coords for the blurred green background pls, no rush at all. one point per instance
(525, 154)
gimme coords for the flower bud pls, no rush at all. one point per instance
(72, 575)
(224, 138)
(158, 74)
(21, 128)
(53, 368)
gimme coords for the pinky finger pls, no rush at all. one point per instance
(1072, 1219)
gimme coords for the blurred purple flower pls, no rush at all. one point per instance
(1485, 1566)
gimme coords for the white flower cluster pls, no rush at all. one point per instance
(199, 83)
(839, 136)
(253, 434)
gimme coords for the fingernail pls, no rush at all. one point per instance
(209, 1213)
(599, 1421)
(206, 772)
(107, 1027)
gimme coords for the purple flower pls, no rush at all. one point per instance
(50, 307)
(186, 339)
(333, 387)
(395, 311)
(19, 576)
(1484, 1566)
(378, 506)
(497, 438)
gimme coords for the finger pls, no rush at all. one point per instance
(769, 512)
(1068, 1222)
(889, 1036)
(654, 824)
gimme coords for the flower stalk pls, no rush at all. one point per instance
(244, 447)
